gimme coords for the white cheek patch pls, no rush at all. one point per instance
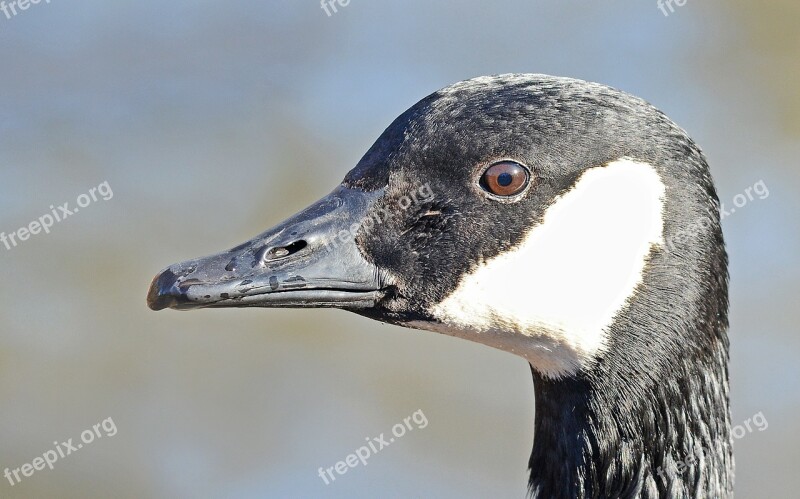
(552, 298)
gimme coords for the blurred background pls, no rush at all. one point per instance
(212, 121)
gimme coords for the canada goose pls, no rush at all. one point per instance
(564, 221)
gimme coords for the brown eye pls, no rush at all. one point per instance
(505, 178)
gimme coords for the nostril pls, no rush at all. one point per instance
(292, 248)
(284, 251)
(231, 267)
(278, 252)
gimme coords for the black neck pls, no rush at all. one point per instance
(617, 432)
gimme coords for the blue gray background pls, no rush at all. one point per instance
(213, 120)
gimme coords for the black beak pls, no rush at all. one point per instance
(310, 260)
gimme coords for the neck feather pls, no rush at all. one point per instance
(620, 431)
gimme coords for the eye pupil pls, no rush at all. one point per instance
(504, 179)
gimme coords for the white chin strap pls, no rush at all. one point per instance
(552, 298)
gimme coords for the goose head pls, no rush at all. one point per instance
(563, 221)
